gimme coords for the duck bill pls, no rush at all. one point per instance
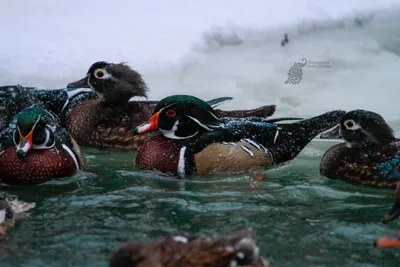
(333, 134)
(388, 241)
(25, 144)
(148, 126)
(82, 83)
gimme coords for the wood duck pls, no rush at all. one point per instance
(235, 249)
(9, 211)
(195, 140)
(370, 155)
(14, 98)
(35, 148)
(7, 220)
(108, 120)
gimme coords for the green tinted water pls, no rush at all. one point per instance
(299, 218)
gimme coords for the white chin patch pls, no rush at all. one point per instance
(2, 216)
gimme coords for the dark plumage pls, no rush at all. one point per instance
(107, 121)
(236, 249)
(195, 140)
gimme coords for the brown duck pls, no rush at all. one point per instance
(370, 155)
(8, 213)
(107, 121)
(236, 249)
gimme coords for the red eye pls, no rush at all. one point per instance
(171, 113)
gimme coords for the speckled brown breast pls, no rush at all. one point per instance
(94, 124)
(359, 165)
(38, 166)
(230, 158)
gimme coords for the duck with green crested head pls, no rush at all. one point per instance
(107, 121)
(195, 140)
(35, 148)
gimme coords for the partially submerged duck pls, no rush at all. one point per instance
(370, 155)
(35, 148)
(7, 220)
(195, 140)
(107, 121)
(236, 249)
(8, 213)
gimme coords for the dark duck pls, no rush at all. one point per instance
(107, 121)
(15, 98)
(370, 155)
(235, 249)
(34, 148)
(195, 140)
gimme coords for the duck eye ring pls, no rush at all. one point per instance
(170, 113)
(99, 74)
(351, 125)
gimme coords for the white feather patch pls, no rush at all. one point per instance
(72, 155)
(248, 151)
(181, 163)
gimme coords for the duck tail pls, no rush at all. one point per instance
(291, 138)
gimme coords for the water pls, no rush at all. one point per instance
(208, 50)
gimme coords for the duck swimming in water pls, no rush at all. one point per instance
(8, 213)
(195, 140)
(35, 148)
(235, 249)
(108, 120)
(370, 155)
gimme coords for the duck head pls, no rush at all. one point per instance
(35, 128)
(362, 127)
(181, 117)
(113, 83)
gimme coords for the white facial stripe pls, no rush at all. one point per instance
(44, 144)
(72, 155)
(181, 164)
(2, 216)
(171, 133)
(200, 124)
